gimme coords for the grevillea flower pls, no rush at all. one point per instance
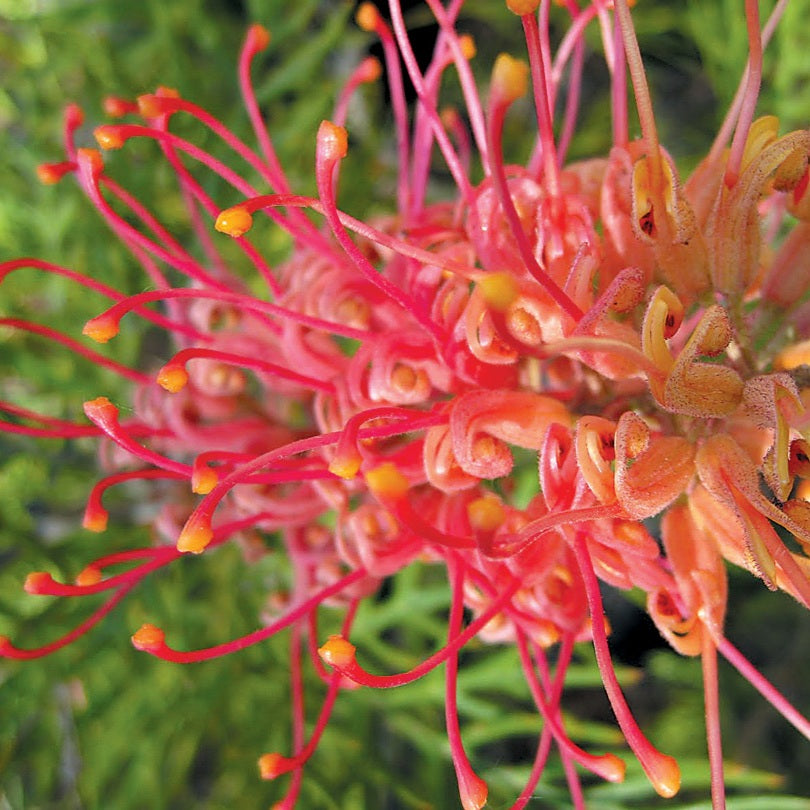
(644, 338)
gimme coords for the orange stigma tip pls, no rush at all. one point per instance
(468, 49)
(47, 174)
(449, 117)
(108, 137)
(99, 405)
(234, 221)
(272, 765)
(510, 78)
(203, 480)
(499, 290)
(38, 582)
(117, 107)
(152, 106)
(74, 116)
(611, 768)
(337, 652)
(260, 36)
(476, 798)
(367, 16)
(148, 638)
(95, 521)
(345, 466)
(50, 173)
(100, 329)
(333, 141)
(521, 7)
(92, 157)
(387, 481)
(89, 576)
(172, 377)
(664, 774)
(473, 791)
(485, 514)
(194, 538)
(372, 69)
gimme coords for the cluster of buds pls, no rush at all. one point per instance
(645, 337)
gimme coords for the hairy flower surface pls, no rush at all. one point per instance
(369, 402)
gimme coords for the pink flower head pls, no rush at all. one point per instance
(625, 327)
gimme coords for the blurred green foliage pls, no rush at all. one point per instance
(99, 725)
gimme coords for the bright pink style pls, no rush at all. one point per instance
(646, 337)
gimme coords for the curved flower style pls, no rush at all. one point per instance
(646, 337)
